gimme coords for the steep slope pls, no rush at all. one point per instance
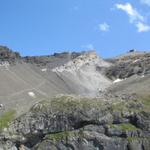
(135, 84)
(23, 83)
(83, 70)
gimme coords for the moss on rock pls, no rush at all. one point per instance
(6, 118)
(124, 127)
(69, 103)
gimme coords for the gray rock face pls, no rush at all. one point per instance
(87, 141)
(7, 145)
(142, 121)
(80, 123)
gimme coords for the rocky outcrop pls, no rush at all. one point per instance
(89, 58)
(86, 70)
(7, 54)
(81, 123)
(136, 63)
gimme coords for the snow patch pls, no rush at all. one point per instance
(44, 69)
(117, 80)
(1, 106)
(32, 94)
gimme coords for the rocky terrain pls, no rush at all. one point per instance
(73, 101)
(129, 64)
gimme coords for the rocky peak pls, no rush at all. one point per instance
(86, 59)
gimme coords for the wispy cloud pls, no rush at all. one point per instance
(147, 2)
(142, 27)
(133, 14)
(104, 27)
(134, 17)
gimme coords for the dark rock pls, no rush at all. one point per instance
(142, 120)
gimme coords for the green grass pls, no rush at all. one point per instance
(61, 136)
(65, 135)
(127, 126)
(119, 106)
(58, 136)
(131, 139)
(6, 118)
(145, 100)
(124, 127)
(69, 103)
(132, 105)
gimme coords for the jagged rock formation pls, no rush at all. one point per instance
(70, 101)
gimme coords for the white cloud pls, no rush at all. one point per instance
(147, 2)
(104, 27)
(142, 27)
(133, 14)
(134, 17)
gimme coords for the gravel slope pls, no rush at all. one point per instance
(24, 84)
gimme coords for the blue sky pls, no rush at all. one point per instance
(41, 27)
